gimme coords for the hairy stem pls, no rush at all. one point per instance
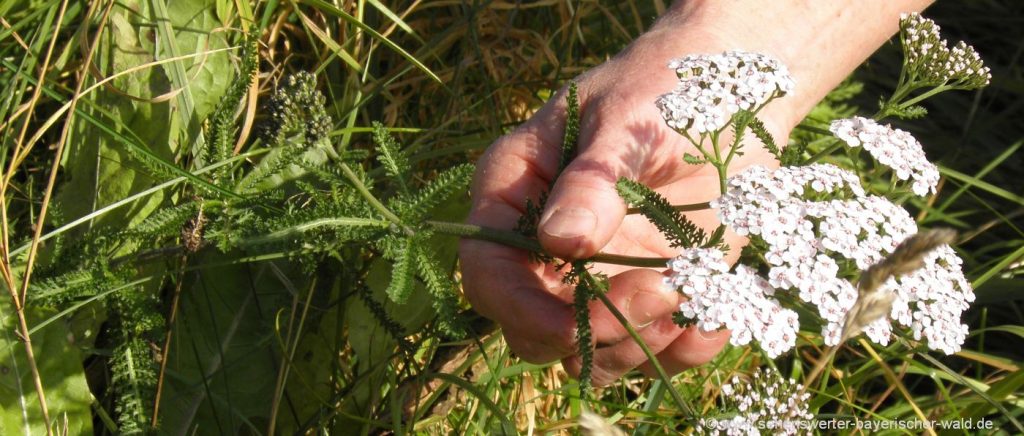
(374, 202)
(682, 208)
(513, 239)
(683, 405)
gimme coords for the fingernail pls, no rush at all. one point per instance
(644, 307)
(569, 222)
(706, 335)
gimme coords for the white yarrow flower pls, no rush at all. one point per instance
(714, 87)
(766, 404)
(894, 148)
(817, 225)
(740, 301)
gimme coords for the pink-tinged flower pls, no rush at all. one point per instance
(894, 148)
(817, 225)
(714, 87)
(767, 403)
(741, 302)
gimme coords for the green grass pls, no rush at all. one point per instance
(281, 321)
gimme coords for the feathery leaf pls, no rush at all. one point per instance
(444, 295)
(680, 231)
(402, 273)
(571, 137)
(414, 207)
(392, 157)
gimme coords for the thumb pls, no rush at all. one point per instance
(584, 210)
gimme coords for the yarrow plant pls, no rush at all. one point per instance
(814, 228)
(767, 403)
(930, 64)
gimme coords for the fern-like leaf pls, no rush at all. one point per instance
(570, 140)
(390, 325)
(414, 207)
(680, 231)
(164, 222)
(761, 132)
(133, 380)
(793, 155)
(220, 124)
(587, 287)
(391, 156)
(402, 273)
(443, 293)
(693, 160)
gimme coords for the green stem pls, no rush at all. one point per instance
(682, 208)
(651, 357)
(721, 166)
(821, 154)
(513, 239)
(374, 202)
(924, 95)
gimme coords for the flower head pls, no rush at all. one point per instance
(713, 87)
(819, 228)
(930, 59)
(766, 402)
(740, 301)
(894, 148)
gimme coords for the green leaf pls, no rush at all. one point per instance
(443, 292)
(61, 371)
(680, 231)
(371, 342)
(224, 339)
(583, 294)
(220, 133)
(390, 154)
(402, 277)
(414, 207)
(761, 132)
(693, 160)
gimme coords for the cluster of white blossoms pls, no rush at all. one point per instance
(813, 247)
(713, 87)
(930, 301)
(741, 302)
(894, 148)
(930, 59)
(767, 403)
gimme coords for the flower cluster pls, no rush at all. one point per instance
(814, 245)
(772, 205)
(714, 87)
(740, 301)
(894, 148)
(768, 402)
(930, 59)
(297, 110)
(930, 301)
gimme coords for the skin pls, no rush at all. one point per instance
(623, 135)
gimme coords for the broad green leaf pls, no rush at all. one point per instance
(61, 371)
(224, 356)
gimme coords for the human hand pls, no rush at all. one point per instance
(622, 135)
